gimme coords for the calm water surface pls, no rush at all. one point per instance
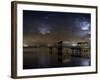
(33, 60)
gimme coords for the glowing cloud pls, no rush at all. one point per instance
(85, 25)
(43, 30)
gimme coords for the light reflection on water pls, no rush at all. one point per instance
(39, 59)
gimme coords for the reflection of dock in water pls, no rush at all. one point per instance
(53, 56)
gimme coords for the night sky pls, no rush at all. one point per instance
(42, 27)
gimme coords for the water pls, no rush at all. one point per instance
(43, 58)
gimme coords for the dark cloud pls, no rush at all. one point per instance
(39, 26)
